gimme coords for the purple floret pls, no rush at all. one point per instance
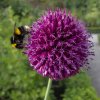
(58, 45)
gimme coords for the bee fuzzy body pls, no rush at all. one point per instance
(17, 40)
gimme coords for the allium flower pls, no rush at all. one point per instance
(58, 45)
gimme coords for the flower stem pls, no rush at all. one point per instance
(48, 89)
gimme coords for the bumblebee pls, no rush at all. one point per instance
(17, 40)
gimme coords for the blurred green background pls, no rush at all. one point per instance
(17, 80)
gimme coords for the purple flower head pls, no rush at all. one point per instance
(58, 45)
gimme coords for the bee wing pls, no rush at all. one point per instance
(14, 28)
(25, 40)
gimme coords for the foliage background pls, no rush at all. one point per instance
(17, 80)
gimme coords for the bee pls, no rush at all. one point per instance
(17, 40)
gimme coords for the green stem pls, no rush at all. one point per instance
(48, 89)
